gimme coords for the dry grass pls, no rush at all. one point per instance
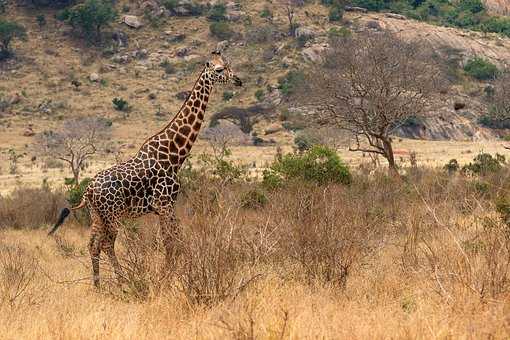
(427, 257)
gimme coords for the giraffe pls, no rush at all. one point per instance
(147, 183)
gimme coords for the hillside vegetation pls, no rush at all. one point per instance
(287, 233)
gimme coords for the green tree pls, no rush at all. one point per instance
(90, 17)
(9, 30)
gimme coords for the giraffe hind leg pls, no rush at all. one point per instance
(108, 246)
(96, 239)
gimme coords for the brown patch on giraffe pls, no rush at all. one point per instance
(201, 115)
(184, 130)
(180, 140)
(191, 119)
(196, 103)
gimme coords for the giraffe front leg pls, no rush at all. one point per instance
(170, 232)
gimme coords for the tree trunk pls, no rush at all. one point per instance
(76, 174)
(390, 157)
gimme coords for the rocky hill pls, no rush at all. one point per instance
(151, 55)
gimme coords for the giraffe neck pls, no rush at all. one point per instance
(173, 144)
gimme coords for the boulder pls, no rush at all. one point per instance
(94, 77)
(307, 32)
(222, 45)
(182, 52)
(355, 9)
(273, 128)
(132, 21)
(29, 131)
(395, 16)
(314, 53)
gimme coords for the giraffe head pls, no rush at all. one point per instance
(218, 69)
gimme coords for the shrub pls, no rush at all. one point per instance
(260, 34)
(338, 32)
(17, 274)
(497, 25)
(305, 141)
(319, 164)
(41, 20)
(221, 30)
(228, 95)
(74, 196)
(259, 95)
(481, 69)
(51, 3)
(191, 7)
(30, 207)
(494, 122)
(120, 104)
(336, 13)
(217, 12)
(167, 66)
(266, 13)
(254, 199)
(290, 82)
(452, 166)
(90, 17)
(9, 30)
(484, 164)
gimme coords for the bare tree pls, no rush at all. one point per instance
(75, 142)
(290, 9)
(370, 85)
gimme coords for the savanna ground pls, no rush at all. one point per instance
(424, 256)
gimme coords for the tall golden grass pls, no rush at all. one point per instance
(426, 256)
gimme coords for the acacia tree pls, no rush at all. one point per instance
(9, 30)
(75, 142)
(370, 85)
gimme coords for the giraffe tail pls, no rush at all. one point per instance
(63, 215)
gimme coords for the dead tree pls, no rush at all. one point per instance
(75, 142)
(370, 85)
(290, 10)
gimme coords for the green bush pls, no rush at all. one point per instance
(41, 20)
(493, 122)
(228, 95)
(290, 82)
(497, 25)
(217, 12)
(266, 13)
(336, 13)
(305, 141)
(319, 165)
(452, 166)
(193, 8)
(74, 196)
(221, 30)
(90, 17)
(484, 164)
(9, 30)
(260, 94)
(167, 66)
(481, 69)
(120, 104)
(338, 32)
(51, 3)
(254, 199)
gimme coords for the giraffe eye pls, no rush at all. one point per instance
(219, 69)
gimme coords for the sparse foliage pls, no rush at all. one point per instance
(9, 30)
(90, 17)
(369, 85)
(75, 142)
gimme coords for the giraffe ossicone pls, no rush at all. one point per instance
(147, 182)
